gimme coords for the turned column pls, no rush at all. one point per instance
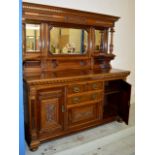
(44, 37)
(33, 123)
(111, 46)
(104, 40)
(23, 39)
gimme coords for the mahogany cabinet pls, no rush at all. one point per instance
(69, 83)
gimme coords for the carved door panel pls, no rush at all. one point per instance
(50, 112)
(124, 103)
(84, 115)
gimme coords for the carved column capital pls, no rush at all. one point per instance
(112, 30)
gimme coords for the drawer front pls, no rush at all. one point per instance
(95, 85)
(93, 96)
(83, 87)
(77, 88)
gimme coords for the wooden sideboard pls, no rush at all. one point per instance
(69, 87)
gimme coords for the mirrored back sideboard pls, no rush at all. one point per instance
(69, 83)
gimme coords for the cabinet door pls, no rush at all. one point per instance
(84, 115)
(124, 104)
(50, 111)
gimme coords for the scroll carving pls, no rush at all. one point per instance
(50, 108)
(54, 63)
(84, 114)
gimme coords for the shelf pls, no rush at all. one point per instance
(101, 54)
(111, 92)
(109, 111)
(113, 87)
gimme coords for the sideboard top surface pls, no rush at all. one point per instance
(62, 76)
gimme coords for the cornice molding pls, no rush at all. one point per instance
(45, 12)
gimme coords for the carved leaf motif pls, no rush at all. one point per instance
(83, 114)
(50, 108)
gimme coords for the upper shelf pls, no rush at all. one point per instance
(38, 12)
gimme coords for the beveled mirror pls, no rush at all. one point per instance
(101, 40)
(97, 40)
(32, 38)
(68, 41)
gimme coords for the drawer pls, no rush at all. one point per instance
(84, 97)
(83, 87)
(77, 88)
(95, 85)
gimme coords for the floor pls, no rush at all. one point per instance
(110, 139)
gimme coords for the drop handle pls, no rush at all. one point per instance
(76, 100)
(94, 96)
(76, 89)
(94, 86)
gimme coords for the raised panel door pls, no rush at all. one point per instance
(84, 115)
(51, 116)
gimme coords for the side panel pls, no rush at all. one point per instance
(124, 105)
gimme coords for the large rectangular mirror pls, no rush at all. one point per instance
(32, 38)
(68, 41)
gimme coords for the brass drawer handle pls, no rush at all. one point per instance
(94, 86)
(94, 96)
(76, 89)
(76, 100)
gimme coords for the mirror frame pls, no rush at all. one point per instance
(105, 40)
(32, 52)
(86, 54)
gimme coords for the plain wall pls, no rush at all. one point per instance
(124, 35)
